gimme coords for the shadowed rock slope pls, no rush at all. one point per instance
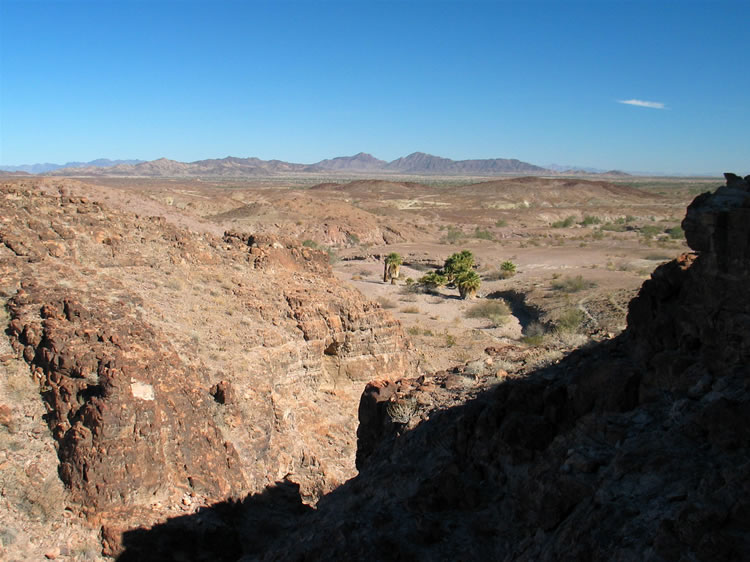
(634, 449)
(177, 369)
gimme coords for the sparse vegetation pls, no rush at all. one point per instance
(649, 231)
(572, 284)
(452, 236)
(588, 220)
(613, 226)
(565, 223)
(410, 310)
(501, 223)
(676, 233)
(496, 311)
(570, 320)
(483, 234)
(402, 410)
(534, 334)
(386, 302)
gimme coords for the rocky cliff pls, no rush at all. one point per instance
(634, 449)
(177, 369)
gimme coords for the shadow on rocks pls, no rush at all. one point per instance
(224, 531)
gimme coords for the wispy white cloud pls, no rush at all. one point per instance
(642, 103)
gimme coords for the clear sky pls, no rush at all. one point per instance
(543, 82)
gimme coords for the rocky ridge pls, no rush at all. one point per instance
(149, 415)
(636, 448)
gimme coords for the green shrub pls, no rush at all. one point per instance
(590, 219)
(501, 223)
(310, 244)
(613, 226)
(572, 284)
(676, 233)
(565, 223)
(649, 231)
(570, 320)
(433, 280)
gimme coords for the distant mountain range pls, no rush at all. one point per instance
(48, 167)
(417, 163)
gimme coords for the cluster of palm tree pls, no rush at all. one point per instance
(458, 271)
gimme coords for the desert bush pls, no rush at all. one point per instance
(483, 234)
(310, 244)
(572, 284)
(495, 310)
(589, 220)
(570, 320)
(534, 334)
(613, 227)
(565, 223)
(649, 231)
(676, 233)
(452, 236)
(402, 410)
(332, 256)
(386, 302)
(501, 222)
(409, 281)
(410, 310)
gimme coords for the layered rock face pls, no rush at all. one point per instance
(635, 449)
(181, 369)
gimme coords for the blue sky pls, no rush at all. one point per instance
(301, 81)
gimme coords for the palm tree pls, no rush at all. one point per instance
(468, 284)
(391, 267)
(433, 280)
(457, 264)
(508, 269)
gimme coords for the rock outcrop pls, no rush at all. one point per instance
(637, 448)
(182, 369)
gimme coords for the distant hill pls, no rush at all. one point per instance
(49, 167)
(359, 162)
(224, 167)
(417, 163)
(421, 163)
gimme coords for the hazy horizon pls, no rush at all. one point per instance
(654, 87)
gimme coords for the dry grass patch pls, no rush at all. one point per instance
(496, 311)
